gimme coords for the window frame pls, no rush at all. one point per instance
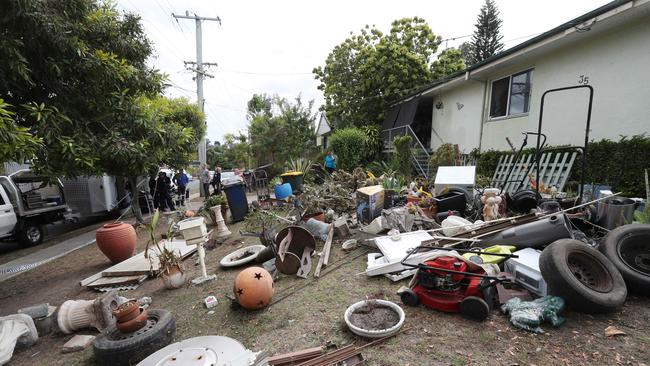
(509, 77)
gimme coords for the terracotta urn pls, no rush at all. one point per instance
(253, 288)
(117, 241)
(127, 311)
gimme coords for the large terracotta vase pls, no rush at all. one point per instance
(117, 241)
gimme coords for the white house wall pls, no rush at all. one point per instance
(456, 121)
(616, 63)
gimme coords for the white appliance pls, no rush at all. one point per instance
(526, 271)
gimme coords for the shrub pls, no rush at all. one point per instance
(445, 155)
(349, 146)
(401, 159)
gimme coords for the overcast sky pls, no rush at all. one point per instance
(272, 46)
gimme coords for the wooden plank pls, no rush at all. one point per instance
(567, 172)
(115, 281)
(296, 356)
(139, 265)
(324, 256)
(90, 279)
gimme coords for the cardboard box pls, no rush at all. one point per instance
(370, 202)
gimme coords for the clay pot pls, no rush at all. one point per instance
(127, 311)
(320, 216)
(412, 199)
(253, 288)
(134, 324)
(173, 278)
(190, 213)
(117, 241)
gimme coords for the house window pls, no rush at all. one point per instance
(511, 95)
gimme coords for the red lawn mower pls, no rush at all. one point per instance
(448, 284)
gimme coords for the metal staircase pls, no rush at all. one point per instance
(419, 153)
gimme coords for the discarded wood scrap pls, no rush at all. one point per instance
(135, 269)
(292, 358)
(325, 254)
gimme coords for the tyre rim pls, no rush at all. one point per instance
(33, 234)
(590, 272)
(116, 335)
(633, 251)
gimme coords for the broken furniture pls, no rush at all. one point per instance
(393, 251)
(207, 350)
(136, 269)
(446, 281)
(17, 330)
(529, 315)
(80, 314)
(195, 232)
(253, 288)
(374, 311)
(113, 347)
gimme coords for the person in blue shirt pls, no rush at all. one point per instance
(330, 162)
(181, 180)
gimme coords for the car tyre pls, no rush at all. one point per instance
(30, 234)
(116, 348)
(586, 280)
(628, 248)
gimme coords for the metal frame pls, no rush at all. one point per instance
(584, 149)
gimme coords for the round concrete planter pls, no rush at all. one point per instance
(368, 333)
(230, 261)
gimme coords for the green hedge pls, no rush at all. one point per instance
(619, 164)
(355, 147)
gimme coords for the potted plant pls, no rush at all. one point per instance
(214, 200)
(428, 207)
(171, 272)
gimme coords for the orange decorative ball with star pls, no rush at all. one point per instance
(253, 288)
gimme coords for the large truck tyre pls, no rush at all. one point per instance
(628, 248)
(586, 280)
(30, 233)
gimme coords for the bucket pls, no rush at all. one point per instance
(293, 178)
(282, 191)
(615, 212)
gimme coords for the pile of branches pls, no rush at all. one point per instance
(331, 194)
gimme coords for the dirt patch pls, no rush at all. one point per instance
(374, 317)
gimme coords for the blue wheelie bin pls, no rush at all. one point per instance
(237, 201)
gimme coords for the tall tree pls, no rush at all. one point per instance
(282, 130)
(367, 71)
(449, 62)
(486, 40)
(67, 66)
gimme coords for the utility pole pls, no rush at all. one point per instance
(198, 68)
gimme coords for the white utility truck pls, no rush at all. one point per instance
(28, 203)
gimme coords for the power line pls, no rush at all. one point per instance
(265, 73)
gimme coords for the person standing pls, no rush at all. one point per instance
(330, 162)
(181, 180)
(205, 180)
(216, 180)
(163, 184)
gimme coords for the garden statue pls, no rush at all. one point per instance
(491, 201)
